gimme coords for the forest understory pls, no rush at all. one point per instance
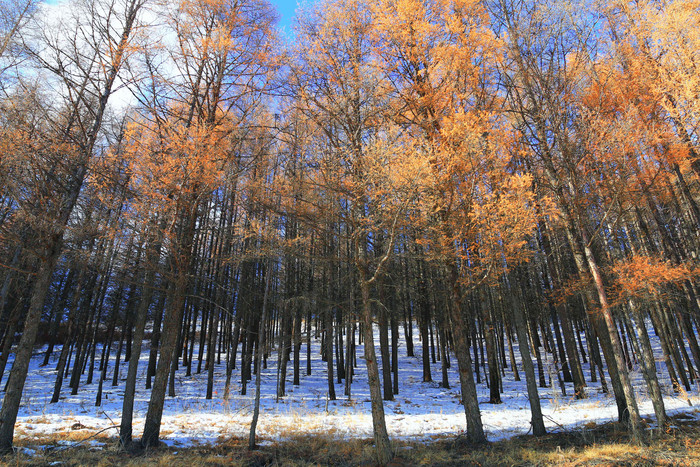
(425, 421)
(602, 445)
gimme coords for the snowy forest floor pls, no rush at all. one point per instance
(602, 445)
(424, 417)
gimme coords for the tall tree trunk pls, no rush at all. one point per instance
(211, 348)
(9, 337)
(511, 353)
(395, 351)
(648, 365)
(475, 428)
(328, 345)
(126, 426)
(519, 321)
(383, 447)
(23, 354)
(258, 352)
(494, 372)
(285, 347)
(172, 324)
(424, 322)
(633, 411)
(155, 337)
(383, 324)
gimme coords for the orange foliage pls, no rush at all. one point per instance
(171, 163)
(441, 57)
(647, 275)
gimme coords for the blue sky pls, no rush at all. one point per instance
(286, 10)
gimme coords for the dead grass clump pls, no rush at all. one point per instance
(67, 437)
(324, 450)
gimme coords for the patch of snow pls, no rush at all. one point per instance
(422, 411)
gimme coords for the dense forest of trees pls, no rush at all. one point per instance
(493, 175)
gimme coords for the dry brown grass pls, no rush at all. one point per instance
(603, 445)
(72, 435)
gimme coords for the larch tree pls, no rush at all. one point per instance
(84, 65)
(368, 177)
(441, 62)
(191, 134)
(661, 40)
(637, 143)
(551, 51)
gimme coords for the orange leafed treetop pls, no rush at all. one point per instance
(647, 276)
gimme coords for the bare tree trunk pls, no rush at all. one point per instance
(23, 354)
(424, 322)
(383, 324)
(395, 351)
(383, 447)
(533, 396)
(494, 373)
(328, 345)
(258, 353)
(126, 427)
(155, 337)
(172, 324)
(633, 411)
(648, 365)
(475, 428)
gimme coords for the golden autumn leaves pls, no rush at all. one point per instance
(404, 110)
(173, 162)
(405, 93)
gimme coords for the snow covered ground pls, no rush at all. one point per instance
(422, 411)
